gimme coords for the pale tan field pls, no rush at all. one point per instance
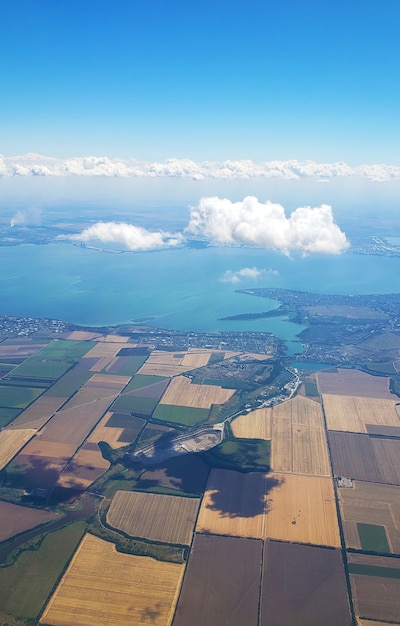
(253, 425)
(83, 469)
(103, 363)
(154, 516)
(182, 392)
(161, 363)
(368, 622)
(118, 339)
(302, 509)
(370, 503)
(39, 447)
(347, 382)
(82, 335)
(108, 348)
(256, 356)
(109, 434)
(98, 387)
(234, 504)
(352, 413)
(15, 519)
(298, 438)
(19, 351)
(11, 442)
(112, 381)
(103, 587)
(38, 413)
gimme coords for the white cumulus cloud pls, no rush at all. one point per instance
(253, 273)
(132, 237)
(266, 225)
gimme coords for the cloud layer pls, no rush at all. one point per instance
(265, 225)
(252, 273)
(220, 221)
(132, 237)
(38, 165)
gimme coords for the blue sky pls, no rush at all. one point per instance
(257, 80)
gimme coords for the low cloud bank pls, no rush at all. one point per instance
(132, 237)
(265, 225)
(253, 273)
(38, 165)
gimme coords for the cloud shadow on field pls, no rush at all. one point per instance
(235, 494)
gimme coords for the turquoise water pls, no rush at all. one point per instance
(176, 289)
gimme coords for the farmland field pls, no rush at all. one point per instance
(7, 415)
(183, 392)
(253, 425)
(155, 517)
(303, 586)
(370, 503)
(141, 405)
(234, 504)
(84, 468)
(25, 585)
(15, 519)
(140, 380)
(186, 473)
(349, 382)
(117, 430)
(298, 438)
(365, 458)
(18, 397)
(185, 415)
(352, 413)
(39, 412)
(221, 584)
(103, 587)
(375, 583)
(11, 441)
(302, 509)
(162, 363)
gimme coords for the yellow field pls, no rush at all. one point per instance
(11, 442)
(298, 438)
(161, 363)
(82, 335)
(370, 503)
(109, 434)
(302, 509)
(352, 413)
(38, 413)
(234, 504)
(108, 348)
(53, 449)
(154, 516)
(103, 587)
(253, 425)
(182, 392)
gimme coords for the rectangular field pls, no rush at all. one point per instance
(188, 416)
(117, 430)
(304, 586)
(302, 509)
(39, 412)
(162, 363)
(221, 584)
(353, 413)
(365, 458)
(15, 519)
(298, 438)
(156, 517)
(369, 503)
(375, 584)
(18, 397)
(349, 382)
(183, 392)
(253, 425)
(83, 469)
(103, 587)
(234, 504)
(11, 441)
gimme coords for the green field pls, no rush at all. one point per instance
(373, 538)
(228, 383)
(374, 570)
(25, 585)
(18, 397)
(132, 365)
(70, 382)
(187, 416)
(7, 414)
(53, 360)
(142, 380)
(134, 404)
(239, 454)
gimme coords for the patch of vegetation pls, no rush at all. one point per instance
(373, 538)
(26, 585)
(134, 404)
(188, 416)
(240, 454)
(69, 383)
(311, 389)
(18, 397)
(7, 414)
(228, 383)
(142, 380)
(53, 360)
(132, 365)
(374, 570)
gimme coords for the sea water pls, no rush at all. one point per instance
(181, 289)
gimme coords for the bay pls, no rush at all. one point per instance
(182, 289)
